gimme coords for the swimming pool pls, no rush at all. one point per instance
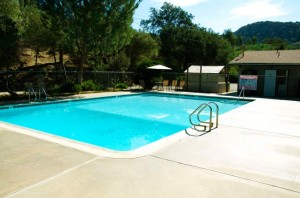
(121, 123)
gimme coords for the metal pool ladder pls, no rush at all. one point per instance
(29, 89)
(41, 90)
(197, 112)
(242, 92)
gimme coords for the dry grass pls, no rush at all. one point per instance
(28, 57)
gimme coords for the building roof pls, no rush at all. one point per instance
(205, 69)
(287, 57)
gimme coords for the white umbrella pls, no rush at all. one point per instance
(159, 67)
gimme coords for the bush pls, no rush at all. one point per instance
(70, 87)
(88, 85)
(77, 88)
(99, 87)
(121, 86)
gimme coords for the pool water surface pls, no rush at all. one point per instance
(122, 123)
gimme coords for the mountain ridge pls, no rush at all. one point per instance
(262, 30)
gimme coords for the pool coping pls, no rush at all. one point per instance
(97, 150)
(101, 151)
(122, 95)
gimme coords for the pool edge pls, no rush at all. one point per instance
(101, 151)
(96, 150)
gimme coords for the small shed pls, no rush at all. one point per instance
(204, 78)
(277, 71)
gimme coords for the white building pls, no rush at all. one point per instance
(203, 78)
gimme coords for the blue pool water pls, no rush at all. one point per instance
(120, 123)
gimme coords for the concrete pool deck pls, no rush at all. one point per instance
(255, 152)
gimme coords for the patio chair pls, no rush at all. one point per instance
(174, 84)
(166, 85)
(181, 85)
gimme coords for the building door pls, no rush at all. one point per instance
(270, 83)
(282, 77)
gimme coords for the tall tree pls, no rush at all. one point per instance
(232, 38)
(142, 46)
(277, 43)
(182, 47)
(54, 14)
(9, 34)
(94, 28)
(36, 33)
(168, 16)
(10, 9)
(9, 42)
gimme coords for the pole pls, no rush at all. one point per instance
(200, 78)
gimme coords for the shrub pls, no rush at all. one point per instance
(72, 87)
(88, 85)
(77, 88)
(99, 87)
(121, 86)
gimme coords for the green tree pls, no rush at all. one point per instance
(9, 42)
(277, 43)
(232, 38)
(36, 33)
(142, 47)
(9, 34)
(168, 16)
(55, 17)
(184, 43)
(182, 47)
(120, 62)
(10, 9)
(94, 29)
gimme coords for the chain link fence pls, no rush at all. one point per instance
(15, 80)
(105, 80)
(108, 80)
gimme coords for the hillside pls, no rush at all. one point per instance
(289, 31)
(28, 59)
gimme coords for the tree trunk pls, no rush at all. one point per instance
(54, 54)
(80, 70)
(36, 56)
(61, 63)
(82, 57)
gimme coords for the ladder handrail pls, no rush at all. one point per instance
(199, 109)
(210, 113)
(29, 88)
(41, 88)
(196, 110)
(30, 91)
(217, 113)
(44, 91)
(242, 91)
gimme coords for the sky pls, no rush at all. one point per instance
(220, 15)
